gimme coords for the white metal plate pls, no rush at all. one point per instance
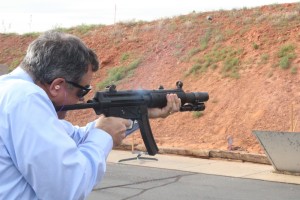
(282, 149)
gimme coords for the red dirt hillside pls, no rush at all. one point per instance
(247, 60)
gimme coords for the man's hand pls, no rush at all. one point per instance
(173, 105)
(114, 126)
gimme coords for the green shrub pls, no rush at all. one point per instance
(197, 114)
(293, 70)
(125, 56)
(255, 46)
(230, 67)
(116, 74)
(286, 54)
(264, 58)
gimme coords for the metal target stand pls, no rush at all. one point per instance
(139, 154)
(138, 157)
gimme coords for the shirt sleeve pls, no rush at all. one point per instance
(53, 164)
(78, 134)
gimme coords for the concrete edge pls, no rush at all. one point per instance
(209, 153)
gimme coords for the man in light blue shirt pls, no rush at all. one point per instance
(43, 156)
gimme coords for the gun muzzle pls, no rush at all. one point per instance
(196, 97)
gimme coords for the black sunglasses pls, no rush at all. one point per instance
(84, 89)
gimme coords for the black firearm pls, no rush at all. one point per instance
(134, 104)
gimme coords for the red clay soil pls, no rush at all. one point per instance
(262, 97)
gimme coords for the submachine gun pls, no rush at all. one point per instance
(134, 104)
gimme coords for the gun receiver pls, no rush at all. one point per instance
(134, 104)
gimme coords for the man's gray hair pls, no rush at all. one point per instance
(58, 55)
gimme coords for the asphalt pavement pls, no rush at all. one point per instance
(177, 177)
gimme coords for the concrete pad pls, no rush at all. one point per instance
(273, 176)
(231, 168)
(205, 166)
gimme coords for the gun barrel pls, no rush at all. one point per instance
(157, 99)
(196, 97)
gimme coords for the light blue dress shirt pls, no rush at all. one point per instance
(42, 157)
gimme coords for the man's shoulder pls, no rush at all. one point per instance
(18, 81)
(14, 91)
(18, 87)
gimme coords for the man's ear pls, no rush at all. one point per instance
(56, 87)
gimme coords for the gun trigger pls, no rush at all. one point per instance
(134, 126)
(131, 124)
